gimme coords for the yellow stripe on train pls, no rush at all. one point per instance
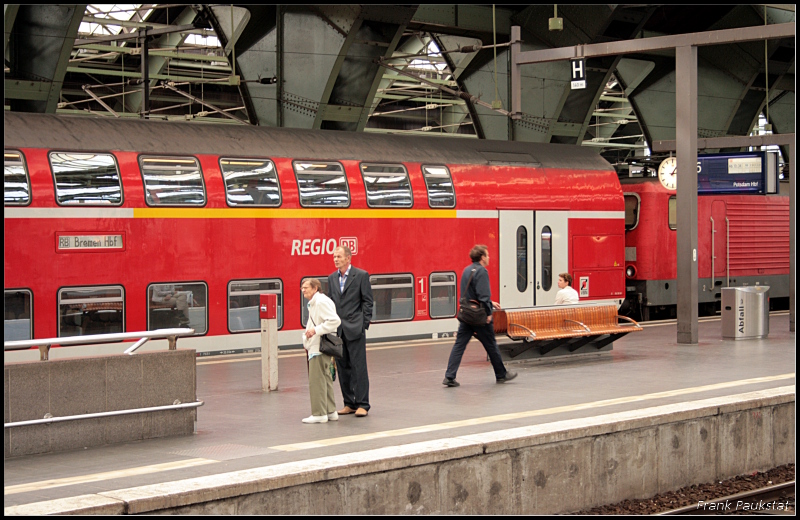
(277, 213)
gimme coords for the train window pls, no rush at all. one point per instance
(443, 295)
(522, 259)
(16, 183)
(387, 186)
(172, 181)
(440, 187)
(322, 184)
(86, 178)
(172, 305)
(393, 297)
(83, 311)
(547, 259)
(243, 302)
(18, 306)
(323, 281)
(673, 212)
(632, 205)
(250, 182)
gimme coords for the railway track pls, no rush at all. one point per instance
(775, 499)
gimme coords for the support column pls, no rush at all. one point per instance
(686, 145)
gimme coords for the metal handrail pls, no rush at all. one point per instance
(44, 344)
(713, 254)
(727, 252)
(48, 420)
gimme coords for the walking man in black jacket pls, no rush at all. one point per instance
(480, 291)
(351, 292)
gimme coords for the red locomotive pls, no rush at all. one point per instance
(114, 225)
(741, 240)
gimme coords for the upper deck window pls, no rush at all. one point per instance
(632, 205)
(172, 181)
(387, 186)
(440, 187)
(250, 182)
(86, 178)
(16, 183)
(322, 184)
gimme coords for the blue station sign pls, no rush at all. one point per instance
(739, 172)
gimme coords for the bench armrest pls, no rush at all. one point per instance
(585, 328)
(632, 323)
(526, 329)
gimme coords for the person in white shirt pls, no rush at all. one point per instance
(322, 319)
(566, 295)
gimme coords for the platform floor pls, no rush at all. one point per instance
(239, 427)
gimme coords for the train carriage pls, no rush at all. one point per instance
(741, 240)
(115, 225)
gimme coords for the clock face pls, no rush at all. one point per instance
(667, 172)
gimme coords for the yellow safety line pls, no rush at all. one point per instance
(35, 486)
(520, 415)
(108, 475)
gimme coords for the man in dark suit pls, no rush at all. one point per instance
(351, 292)
(475, 286)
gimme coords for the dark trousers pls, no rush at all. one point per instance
(353, 377)
(485, 334)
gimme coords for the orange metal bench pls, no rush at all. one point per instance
(570, 326)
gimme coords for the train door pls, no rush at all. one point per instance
(719, 241)
(551, 254)
(533, 250)
(516, 259)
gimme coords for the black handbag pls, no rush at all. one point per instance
(330, 344)
(471, 312)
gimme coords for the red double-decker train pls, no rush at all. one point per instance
(114, 226)
(741, 240)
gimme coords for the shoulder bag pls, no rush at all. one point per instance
(471, 312)
(330, 344)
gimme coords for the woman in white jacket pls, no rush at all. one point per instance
(322, 319)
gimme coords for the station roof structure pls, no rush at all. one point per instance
(438, 70)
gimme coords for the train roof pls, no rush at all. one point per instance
(76, 133)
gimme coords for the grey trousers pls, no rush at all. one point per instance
(320, 385)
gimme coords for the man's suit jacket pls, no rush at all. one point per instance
(354, 305)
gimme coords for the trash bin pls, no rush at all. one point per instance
(745, 312)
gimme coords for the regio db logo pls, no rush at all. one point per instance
(322, 246)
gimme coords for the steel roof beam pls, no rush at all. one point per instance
(40, 44)
(156, 63)
(644, 45)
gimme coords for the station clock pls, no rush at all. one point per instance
(667, 172)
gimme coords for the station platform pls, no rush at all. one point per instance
(241, 429)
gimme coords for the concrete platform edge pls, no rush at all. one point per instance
(631, 454)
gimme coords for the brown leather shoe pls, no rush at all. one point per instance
(346, 410)
(361, 412)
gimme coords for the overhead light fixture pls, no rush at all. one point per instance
(556, 23)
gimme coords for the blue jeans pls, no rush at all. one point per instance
(485, 334)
